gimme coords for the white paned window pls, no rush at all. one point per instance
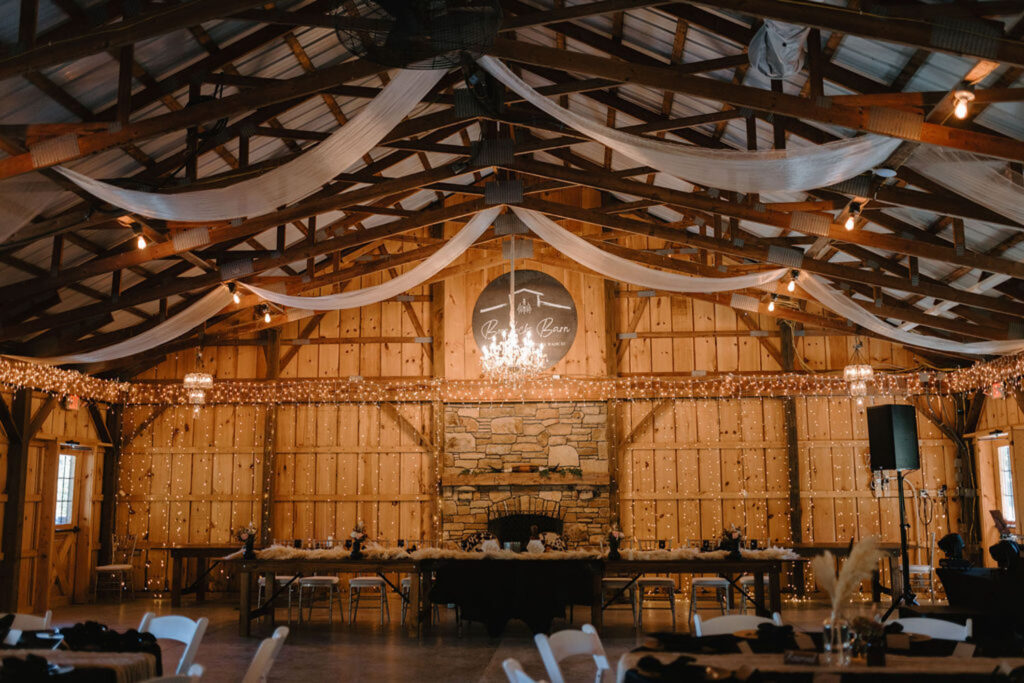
(65, 490)
(1006, 484)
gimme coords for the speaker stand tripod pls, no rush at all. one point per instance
(906, 595)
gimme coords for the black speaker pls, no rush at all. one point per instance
(892, 433)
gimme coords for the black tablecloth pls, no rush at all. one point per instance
(495, 591)
(85, 637)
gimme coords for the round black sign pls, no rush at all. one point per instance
(544, 308)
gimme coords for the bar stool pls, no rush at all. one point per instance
(314, 584)
(716, 583)
(661, 587)
(370, 583)
(747, 584)
(613, 585)
(280, 581)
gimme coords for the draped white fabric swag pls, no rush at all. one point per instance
(803, 168)
(618, 268)
(978, 178)
(287, 183)
(850, 310)
(22, 199)
(777, 49)
(168, 330)
(429, 267)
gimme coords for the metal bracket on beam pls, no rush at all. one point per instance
(404, 297)
(626, 335)
(510, 224)
(646, 293)
(503, 192)
(423, 340)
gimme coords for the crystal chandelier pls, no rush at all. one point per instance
(511, 360)
(196, 383)
(858, 373)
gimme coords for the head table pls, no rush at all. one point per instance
(494, 587)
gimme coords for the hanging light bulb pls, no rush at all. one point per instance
(771, 304)
(962, 98)
(266, 314)
(141, 242)
(792, 282)
(236, 298)
(851, 219)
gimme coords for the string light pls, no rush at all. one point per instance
(962, 98)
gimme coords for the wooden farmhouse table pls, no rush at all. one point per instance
(207, 557)
(422, 570)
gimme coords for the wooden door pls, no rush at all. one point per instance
(990, 492)
(68, 501)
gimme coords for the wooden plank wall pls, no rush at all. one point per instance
(698, 464)
(59, 426)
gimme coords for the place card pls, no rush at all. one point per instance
(803, 641)
(804, 657)
(897, 641)
(964, 650)
(744, 647)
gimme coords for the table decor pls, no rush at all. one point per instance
(731, 541)
(615, 538)
(863, 558)
(358, 536)
(247, 536)
(869, 640)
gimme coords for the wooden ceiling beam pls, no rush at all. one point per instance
(126, 32)
(872, 119)
(961, 39)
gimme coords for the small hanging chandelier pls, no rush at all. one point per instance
(196, 383)
(511, 360)
(858, 373)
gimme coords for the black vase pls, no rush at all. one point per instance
(247, 550)
(357, 549)
(613, 549)
(874, 652)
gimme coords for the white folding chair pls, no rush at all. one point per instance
(731, 623)
(936, 628)
(270, 648)
(514, 671)
(179, 628)
(563, 644)
(31, 622)
(195, 674)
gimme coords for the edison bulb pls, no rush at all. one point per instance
(792, 285)
(141, 242)
(266, 317)
(236, 297)
(850, 222)
(771, 305)
(960, 110)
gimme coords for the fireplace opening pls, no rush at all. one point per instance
(511, 519)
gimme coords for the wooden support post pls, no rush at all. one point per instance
(243, 151)
(14, 511)
(792, 445)
(124, 84)
(269, 462)
(192, 137)
(28, 18)
(779, 127)
(111, 433)
(611, 361)
(814, 63)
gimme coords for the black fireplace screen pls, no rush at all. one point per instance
(512, 519)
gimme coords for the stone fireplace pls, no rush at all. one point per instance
(563, 444)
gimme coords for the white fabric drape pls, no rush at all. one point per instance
(22, 199)
(978, 178)
(396, 285)
(850, 310)
(168, 330)
(285, 184)
(803, 168)
(777, 49)
(618, 268)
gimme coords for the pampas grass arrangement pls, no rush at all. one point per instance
(863, 559)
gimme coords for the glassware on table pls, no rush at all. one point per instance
(835, 632)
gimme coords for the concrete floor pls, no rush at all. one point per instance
(367, 651)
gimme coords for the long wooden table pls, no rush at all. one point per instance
(204, 555)
(841, 550)
(421, 570)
